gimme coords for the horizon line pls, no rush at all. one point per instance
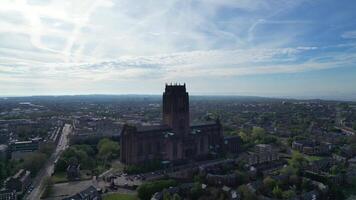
(304, 98)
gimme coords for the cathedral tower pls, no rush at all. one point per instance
(176, 108)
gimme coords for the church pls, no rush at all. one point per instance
(175, 139)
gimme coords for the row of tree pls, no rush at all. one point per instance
(87, 156)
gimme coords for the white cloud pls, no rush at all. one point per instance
(349, 35)
(108, 40)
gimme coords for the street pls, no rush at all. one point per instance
(48, 168)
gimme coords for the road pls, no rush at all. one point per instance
(47, 170)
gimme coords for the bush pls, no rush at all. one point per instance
(146, 167)
(146, 190)
(289, 194)
(246, 193)
(196, 191)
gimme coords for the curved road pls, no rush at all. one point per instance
(47, 170)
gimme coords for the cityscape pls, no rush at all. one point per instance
(199, 147)
(177, 100)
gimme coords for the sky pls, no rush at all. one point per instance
(289, 48)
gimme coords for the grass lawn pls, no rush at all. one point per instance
(313, 158)
(59, 177)
(117, 196)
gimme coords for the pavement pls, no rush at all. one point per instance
(63, 190)
(48, 168)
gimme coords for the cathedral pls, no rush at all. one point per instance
(175, 139)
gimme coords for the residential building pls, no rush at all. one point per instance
(19, 182)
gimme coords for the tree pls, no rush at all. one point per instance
(306, 184)
(196, 191)
(176, 197)
(269, 183)
(289, 194)
(298, 161)
(289, 170)
(166, 195)
(246, 193)
(61, 165)
(34, 162)
(244, 137)
(108, 149)
(146, 190)
(258, 133)
(241, 177)
(277, 192)
(76, 154)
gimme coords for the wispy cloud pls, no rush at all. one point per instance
(349, 35)
(109, 40)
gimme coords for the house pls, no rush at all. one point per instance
(170, 190)
(263, 153)
(228, 179)
(19, 182)
(8, 195)
(352, 162)
(91, 193)
(73, 172)
(312, 195)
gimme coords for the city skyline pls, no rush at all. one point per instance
(298, 49)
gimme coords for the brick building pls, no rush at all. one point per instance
(175, 139)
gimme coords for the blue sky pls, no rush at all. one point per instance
(290, 48)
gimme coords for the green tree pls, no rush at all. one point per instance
(176, 197)
(277, 192)
(108, 149)
(82, 154)
(196, 191)
(244, 137)
(289, 194)
(242, 177)
(34, 162)
(146, 190)
(166, 195)
(258, 133)
(298, 161)
(306, 184)
(246, 193)
(269, 183)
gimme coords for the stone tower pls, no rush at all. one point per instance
(176, 109)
